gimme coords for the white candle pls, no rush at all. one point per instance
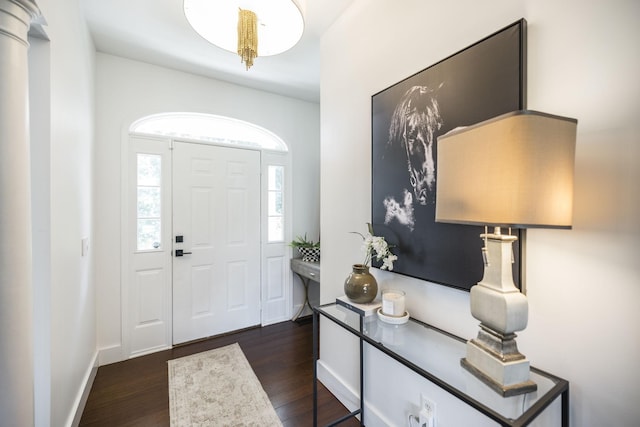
(393, 302)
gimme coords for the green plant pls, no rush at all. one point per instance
(303, 242)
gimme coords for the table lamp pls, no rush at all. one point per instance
(515, 170)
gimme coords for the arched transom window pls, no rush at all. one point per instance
(209, 128)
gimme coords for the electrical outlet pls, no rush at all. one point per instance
(427, 411)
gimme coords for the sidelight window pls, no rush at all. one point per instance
(149, 202)
(275, 196)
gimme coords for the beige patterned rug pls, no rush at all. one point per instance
(217, 388)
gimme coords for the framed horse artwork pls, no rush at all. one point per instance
(481, 81)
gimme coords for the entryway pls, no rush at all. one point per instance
(204, 228)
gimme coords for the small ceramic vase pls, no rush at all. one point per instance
(361, 287)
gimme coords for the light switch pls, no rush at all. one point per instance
(85, 246)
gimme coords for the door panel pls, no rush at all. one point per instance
(149, 323)
(147, 260)
(276, 274)
(216, 208)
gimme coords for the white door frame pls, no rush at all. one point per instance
(276, 284)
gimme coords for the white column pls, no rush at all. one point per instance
(16, 309)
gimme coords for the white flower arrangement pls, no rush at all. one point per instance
(376, 246)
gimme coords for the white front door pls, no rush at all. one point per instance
(216, 225)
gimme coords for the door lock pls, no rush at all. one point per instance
(180, 252)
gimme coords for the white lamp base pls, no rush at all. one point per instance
(493, 355)
(494, 359)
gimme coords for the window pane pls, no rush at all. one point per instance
(275, 203)
(276, 229)
(276, 177)
(149, 202)
(149, 169)
(280, 177)
(148, 234)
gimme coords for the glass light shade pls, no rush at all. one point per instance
(515, 170)
(280, 23)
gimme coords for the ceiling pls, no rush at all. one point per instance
(157, 32)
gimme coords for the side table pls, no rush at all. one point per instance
(437, 359)
(308, 272)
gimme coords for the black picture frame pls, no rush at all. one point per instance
(479, 82)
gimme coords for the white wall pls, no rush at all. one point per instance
(583, 284)
(70, 325)
(127, 90)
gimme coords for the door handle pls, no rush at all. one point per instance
(180, 252)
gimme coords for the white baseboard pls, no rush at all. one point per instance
(273, 321)
(83, 395)
(349, 397)
(108, 355)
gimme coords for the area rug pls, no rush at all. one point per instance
(217, 388)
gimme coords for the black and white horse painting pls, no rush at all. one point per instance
(482, 81)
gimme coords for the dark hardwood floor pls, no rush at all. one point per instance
(135, 392)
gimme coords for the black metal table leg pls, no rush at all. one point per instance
(316, 325)
(361, 373)
(565, 407)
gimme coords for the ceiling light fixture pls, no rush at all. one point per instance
(247, 36)
(231, 25)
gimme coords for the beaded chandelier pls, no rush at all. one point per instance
(220, 21)
(247, 36)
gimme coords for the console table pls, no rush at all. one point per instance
(307, 271)
(444, 371)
